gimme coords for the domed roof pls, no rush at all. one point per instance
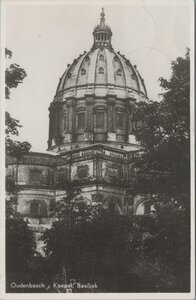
(101, 71)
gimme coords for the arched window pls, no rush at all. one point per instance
(38, 209)
(34, 209)
(101, 70)
(83, 71)
(120, 120)
(81, 120)
(119, 72)
(101, 57)
(100, 117)
(115, 58)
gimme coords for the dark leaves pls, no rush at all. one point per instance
(14, 75)
(163, 177)
(20, 240)
(164, 164)
(11, 124)
(17, 149)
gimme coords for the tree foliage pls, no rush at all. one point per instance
(20, 240)
(20, 245)
(164, 164)
(163, 176)
(89, 244)
(14, 75)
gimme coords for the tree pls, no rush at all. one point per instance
(14, 75)
(63, 239)
(162, 174)
(164, 164)
(20, 240)
(20, 246)
(89, 244)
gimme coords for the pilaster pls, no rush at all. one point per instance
(89, 106)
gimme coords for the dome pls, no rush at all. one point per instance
(101, 71)
(94, 97)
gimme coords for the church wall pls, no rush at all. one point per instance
(34, 175)
(44, 198)
(102, 178)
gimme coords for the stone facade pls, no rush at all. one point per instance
(91, 135)
(102, 172)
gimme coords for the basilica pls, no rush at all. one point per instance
(91, 139)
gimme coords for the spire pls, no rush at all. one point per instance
(102, 20)
(102, 33)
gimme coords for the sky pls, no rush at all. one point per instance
(46, 36)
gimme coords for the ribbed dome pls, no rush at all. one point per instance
(94, 98)
(101, 71)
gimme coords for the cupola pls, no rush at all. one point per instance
(102, 34)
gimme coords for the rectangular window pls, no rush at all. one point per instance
(35, 175)
(112, 172)
(34, 209)
(82, 171)
(65, 122)
(81, 120)
(120, 121)
(100, 119)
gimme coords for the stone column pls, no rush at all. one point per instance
(59, 122)
(89, 107)
(127, 121)
(61, 127)
(55, 122)
(50, 135)
(69, 109)
(111, 135)
(131, 136)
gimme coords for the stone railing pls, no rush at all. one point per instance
(33, 158)
(92, 152)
